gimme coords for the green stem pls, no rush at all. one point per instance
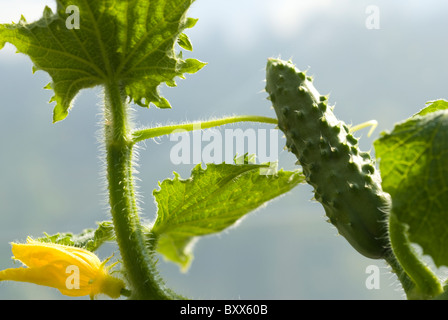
(137, 260)
(149, 133)
(371, 123)
(407, 284)
(427, 285)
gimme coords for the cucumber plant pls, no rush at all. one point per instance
(344, 178)
(346, 181)
(129, 49)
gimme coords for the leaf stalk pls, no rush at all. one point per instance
(426, 284)
(149, 133)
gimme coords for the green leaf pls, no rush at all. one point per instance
(185, 42)
(89, 239)
(432, 106)
(128, 41)
(210, 201)
(414, 170)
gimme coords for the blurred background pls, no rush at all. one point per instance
(51, 177)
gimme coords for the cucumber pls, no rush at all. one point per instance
(344, 178)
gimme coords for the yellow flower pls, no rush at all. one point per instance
(74, 271)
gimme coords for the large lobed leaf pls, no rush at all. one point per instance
(414, 169)
(210, 201)
(127, 41)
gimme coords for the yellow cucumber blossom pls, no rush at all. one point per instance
(73, 271)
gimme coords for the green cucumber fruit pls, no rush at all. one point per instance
(344, 179)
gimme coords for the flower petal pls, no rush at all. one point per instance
(49, 276)
(37, 254)
(73, 271)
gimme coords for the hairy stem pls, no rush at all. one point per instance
(406, 283)
(137, 260)
(149, 133)
(427, 285)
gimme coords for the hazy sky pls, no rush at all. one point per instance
(49, 178)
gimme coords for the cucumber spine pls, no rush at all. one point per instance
(344, 178)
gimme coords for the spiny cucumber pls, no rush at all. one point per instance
(344, 179)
